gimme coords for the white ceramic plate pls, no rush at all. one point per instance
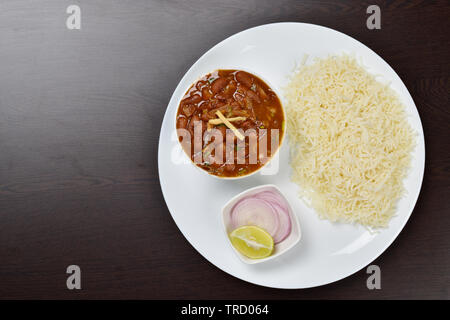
(327, 251)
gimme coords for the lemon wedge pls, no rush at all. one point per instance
(252, 242)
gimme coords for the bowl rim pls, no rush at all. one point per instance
(284, 131)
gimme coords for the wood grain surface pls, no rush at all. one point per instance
(80, 115)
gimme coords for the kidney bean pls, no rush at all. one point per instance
(205, 117)
(253, 96)
(206, 93)
(193, 120)
(262, 93)
(193, 99)
(244, 78)
(203, 105)
(200, 84)
(239, 97)
(188, 110)
(218, 85)
(196, 98)
(181, 123)
(230, 167)
(221, 97)
(230, 88)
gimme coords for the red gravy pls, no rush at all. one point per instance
(235, 94)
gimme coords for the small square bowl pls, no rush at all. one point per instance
(279, 248)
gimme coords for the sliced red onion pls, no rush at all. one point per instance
(285, 226)
(254, 212)
(267, 210)
(273, 198)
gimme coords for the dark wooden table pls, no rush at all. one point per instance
(80, 114)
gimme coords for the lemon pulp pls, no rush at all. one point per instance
(252, 242)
